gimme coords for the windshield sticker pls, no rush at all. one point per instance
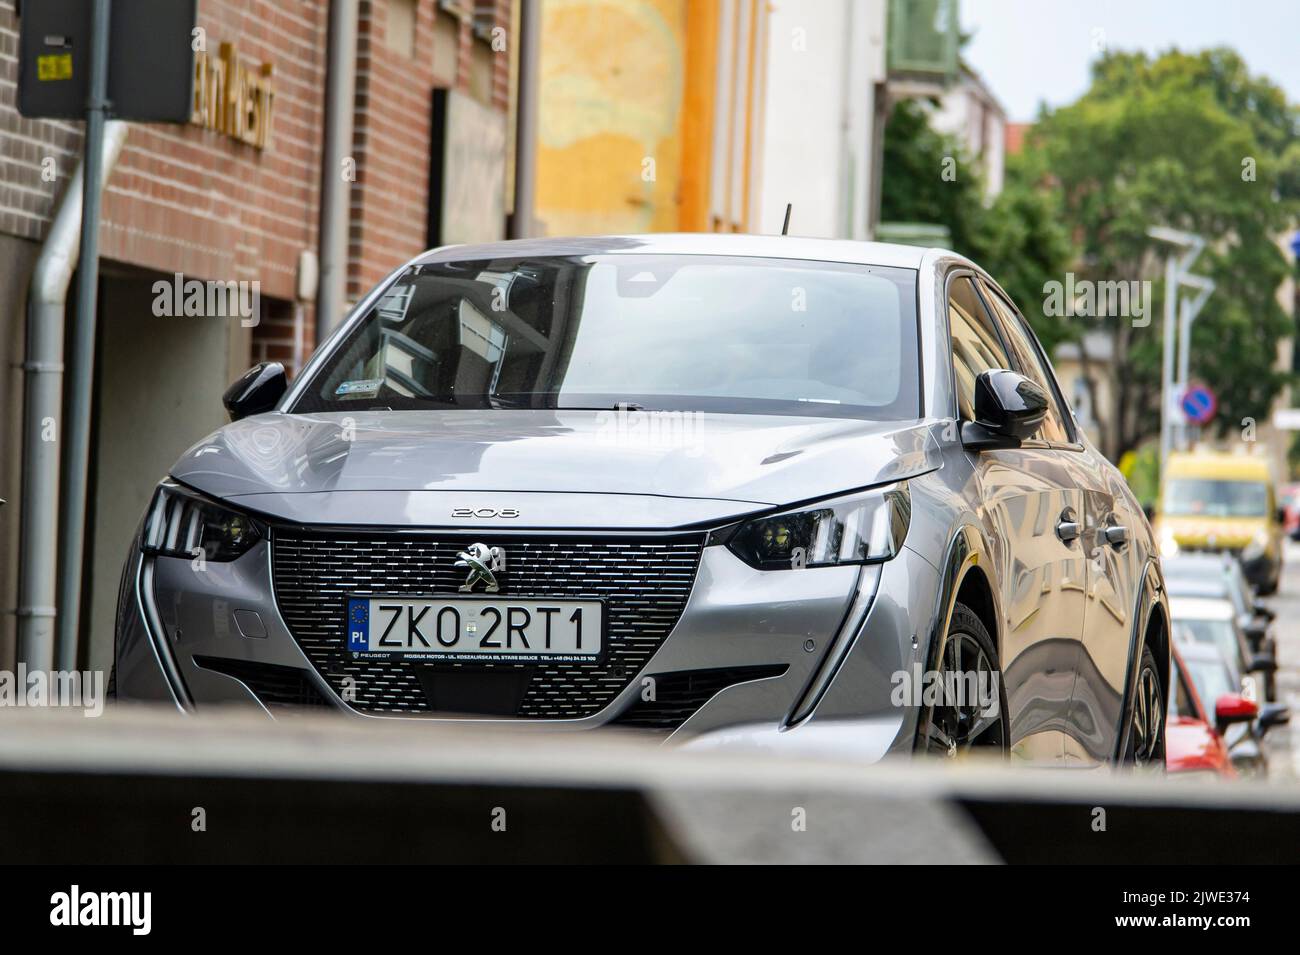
(360, 388)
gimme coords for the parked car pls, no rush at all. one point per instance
(1213, 621)
(1215, 501)
(732, 489)
(1239, 721)
(1193, 744)
(1219, 576)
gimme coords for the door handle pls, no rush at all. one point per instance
(1067, 529)
(1116, 535)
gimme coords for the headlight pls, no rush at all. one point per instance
(859, 529)
(182, 521)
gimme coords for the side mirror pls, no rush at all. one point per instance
(1008, 409)
(258, 389)
(1233, 708)
(1262, 609)
(1263, 663)
(1255, 631)
(1273, 714)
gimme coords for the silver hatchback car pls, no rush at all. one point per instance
(732, 490)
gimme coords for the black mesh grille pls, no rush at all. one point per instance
(679, 695)
(644, 582)
(274, 685)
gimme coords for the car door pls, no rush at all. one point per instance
(1112, 573)
(1033, 516)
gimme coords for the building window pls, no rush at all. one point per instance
(399, 28)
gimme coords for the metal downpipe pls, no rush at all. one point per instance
(42, 414)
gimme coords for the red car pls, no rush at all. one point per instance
(1288, 497)
(1193, 741)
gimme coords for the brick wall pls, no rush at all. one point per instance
(392, 135)
(185, 199)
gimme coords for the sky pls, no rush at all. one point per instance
(1031, 51)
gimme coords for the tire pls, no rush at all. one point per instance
(1144, 747)
(956, 728)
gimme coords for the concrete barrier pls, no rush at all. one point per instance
(142, 786)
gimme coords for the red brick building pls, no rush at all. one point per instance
(196, 201)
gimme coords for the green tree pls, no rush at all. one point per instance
(1191, 141)
(1019, 237)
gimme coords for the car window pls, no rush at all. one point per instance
(1029, 362)
(976, 345)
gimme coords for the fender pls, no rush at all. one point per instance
(1150, 598)
(967, 549)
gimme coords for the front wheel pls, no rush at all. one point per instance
(1146, 719)
(965, 710)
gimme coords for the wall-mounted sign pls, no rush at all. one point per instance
(150, 61)
(233, 97)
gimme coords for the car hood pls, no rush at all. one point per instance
(493, 458)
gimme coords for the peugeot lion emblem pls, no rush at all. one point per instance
(484, 563)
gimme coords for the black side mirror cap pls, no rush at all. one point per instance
(1274, 714)
(259, 389)
(1008, 409)
(1262, 609)
(1263, 663)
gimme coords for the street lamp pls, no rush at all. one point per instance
(1177, 270)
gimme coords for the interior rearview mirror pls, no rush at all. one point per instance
(1008, 409)
(259, 389)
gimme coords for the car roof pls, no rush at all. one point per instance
(1193, 651)
(1201, 565)
(1197, 586)
(1201, 608)
(888, 254)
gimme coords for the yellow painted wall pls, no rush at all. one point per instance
(613, 74)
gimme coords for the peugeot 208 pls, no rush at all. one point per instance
(727, 489)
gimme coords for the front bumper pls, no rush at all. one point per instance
(791, 659)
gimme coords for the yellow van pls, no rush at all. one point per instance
(1222, 502)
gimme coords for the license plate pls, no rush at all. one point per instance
(483, 629)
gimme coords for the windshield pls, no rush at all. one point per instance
(1207, 498)
(657, 332)
(1211, 679)
(1218, 633)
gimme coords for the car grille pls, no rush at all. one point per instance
(644, 582)
(678, 696)
(274, 685)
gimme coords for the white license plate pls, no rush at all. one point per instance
(484, 629)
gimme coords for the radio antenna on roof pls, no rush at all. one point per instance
(785, 226)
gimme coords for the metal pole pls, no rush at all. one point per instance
(335, 193)
(81, 356)
(1167, 362)
(522, 223)
(1184, 363)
